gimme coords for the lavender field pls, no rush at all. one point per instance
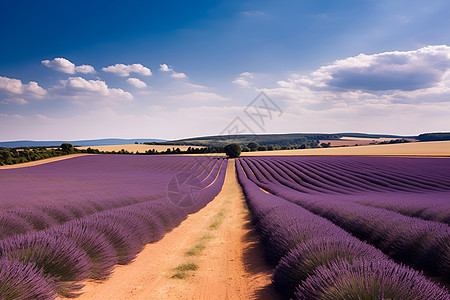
(352, 227)
(67, 221)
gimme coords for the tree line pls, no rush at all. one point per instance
(10, 156)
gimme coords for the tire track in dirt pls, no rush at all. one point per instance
(230, 267)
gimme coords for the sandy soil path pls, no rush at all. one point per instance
(42, 161)
(231, 266)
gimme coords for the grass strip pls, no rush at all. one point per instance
(218, 220)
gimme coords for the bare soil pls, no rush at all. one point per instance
(231, 266)
(42, 161)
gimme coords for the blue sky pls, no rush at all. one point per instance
(173, 69)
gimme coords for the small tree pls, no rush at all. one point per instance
(233, 150)
(67, 148)
(253, 146)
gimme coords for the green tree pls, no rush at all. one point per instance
(67, 148)
(253, 146)
(233, 150)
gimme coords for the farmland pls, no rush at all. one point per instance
(435, 148)
(130, 227)
(331, 226)
(67, 221)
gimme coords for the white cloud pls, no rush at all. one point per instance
(125, 70)
(33, 90)
(243, 79)
(165, 68)
(137, 83)
(177, 75)
(63, 65)
(85, 69)
(247, 74)
(78, 87)
(397, 70)
(15, 87)
(417, 76)
(195, 86)
(387, 92)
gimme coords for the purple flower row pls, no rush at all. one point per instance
(426, 197)
(42, 264)
(423, 244)
(315, 259)
(40, 206)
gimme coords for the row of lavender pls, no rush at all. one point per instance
(316, 259)
(40, 264)
(425, 245)
(347, 178)
(39, 197)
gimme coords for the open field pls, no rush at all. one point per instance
(89, 213)
(136, 147)
(441, 148)
(305, 208)
(352, 141)
(230, 267)
(177, 227)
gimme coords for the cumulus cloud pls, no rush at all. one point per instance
(85, 69)
(397, 70)
(178, 75)
(389, 78)
(63, 65)
(125, 70)
(166, 68)
(244, 79)
(370, 92)
(79, 87)
(137, 83)
(15, 87)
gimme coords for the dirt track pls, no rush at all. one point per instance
(230, 267)
(42, 161)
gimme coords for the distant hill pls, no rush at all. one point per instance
(289, 139)
(436, 136)
(286, 139)
(99, 142)
(262, 139)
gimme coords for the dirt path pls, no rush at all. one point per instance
(43, 161)
(231, 265)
